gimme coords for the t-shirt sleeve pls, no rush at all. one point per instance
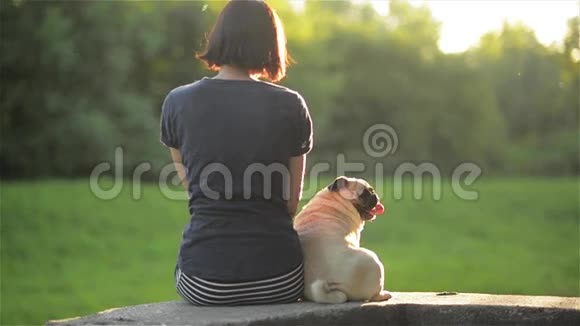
(303, 139)
(169, 126)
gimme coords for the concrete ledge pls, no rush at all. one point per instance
(418, 308)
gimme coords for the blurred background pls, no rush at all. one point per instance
(488, 82)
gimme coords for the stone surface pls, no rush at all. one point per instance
(419, 308)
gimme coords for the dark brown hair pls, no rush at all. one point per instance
(248, 34)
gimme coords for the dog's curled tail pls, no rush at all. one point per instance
(327, 292)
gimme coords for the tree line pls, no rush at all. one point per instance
(79, 79)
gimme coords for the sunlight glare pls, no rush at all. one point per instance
(463, 22)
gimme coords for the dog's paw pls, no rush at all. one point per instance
(382, 296)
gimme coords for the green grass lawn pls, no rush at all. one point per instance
(66, 253)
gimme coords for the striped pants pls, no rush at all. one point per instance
(285, 288)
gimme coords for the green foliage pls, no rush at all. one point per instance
(70, 254)
(537, 93)
(79, 79)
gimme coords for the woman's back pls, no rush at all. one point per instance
(236, 138)
(237, 129)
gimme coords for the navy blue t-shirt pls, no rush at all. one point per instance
(236, 138)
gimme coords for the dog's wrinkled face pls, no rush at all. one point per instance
(361, 194)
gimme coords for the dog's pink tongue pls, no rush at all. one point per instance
(378, 210)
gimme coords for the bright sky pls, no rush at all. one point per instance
(464, 21)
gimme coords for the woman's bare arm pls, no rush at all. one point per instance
(296, 167)
(176, 156)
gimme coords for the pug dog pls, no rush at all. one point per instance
(336, 268)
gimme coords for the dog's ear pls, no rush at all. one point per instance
(338, 183)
